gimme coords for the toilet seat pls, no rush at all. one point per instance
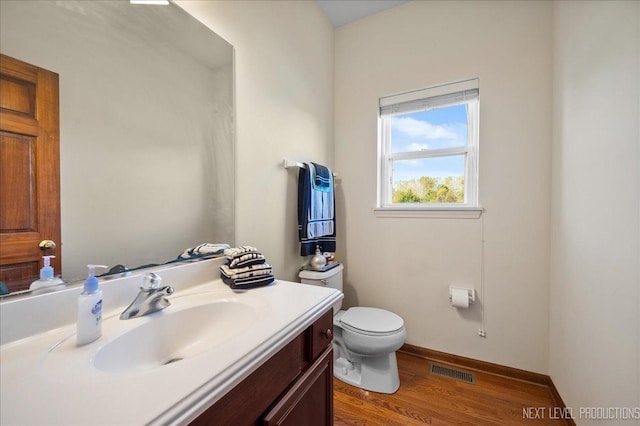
(371, 321)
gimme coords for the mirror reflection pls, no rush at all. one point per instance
(146, 127)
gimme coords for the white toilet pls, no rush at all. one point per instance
(365, 340)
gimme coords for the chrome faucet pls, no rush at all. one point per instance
(150, 299)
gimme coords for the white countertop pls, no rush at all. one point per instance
(45, 379)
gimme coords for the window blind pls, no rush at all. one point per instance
(433, 97)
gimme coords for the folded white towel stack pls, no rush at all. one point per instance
(246, 268)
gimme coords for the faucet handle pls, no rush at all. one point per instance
(151, 281)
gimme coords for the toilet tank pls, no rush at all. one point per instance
(331, 278)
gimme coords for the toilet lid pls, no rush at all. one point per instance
(372, 320)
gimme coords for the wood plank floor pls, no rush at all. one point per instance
(424, 398)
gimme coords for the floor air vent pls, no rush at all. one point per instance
(452, 373)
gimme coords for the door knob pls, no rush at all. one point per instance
(328, 333)
(47, 245)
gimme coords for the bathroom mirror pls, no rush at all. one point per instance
(146, 127)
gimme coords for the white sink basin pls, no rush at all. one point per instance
(172, 335)
(225, 336)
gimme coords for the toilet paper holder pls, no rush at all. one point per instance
(471, 291)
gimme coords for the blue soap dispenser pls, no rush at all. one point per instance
(47, 282)
(90, 309)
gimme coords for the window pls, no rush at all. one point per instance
(428, 149)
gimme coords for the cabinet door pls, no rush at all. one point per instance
(309, 401)
(321, 335)
(245, 403)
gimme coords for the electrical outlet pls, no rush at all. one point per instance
(482, 333)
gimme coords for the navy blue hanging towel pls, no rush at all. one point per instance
(316, 209)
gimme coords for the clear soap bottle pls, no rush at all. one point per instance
(90, 309)
(47, 282)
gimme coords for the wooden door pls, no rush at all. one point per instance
(29, 171)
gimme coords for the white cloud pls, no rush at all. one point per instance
(417, 146)
(421, 129)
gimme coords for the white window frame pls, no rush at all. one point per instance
(451, 94)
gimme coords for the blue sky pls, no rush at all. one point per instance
(433, 129)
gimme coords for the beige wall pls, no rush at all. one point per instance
(407, 265)
(284, 106)
(595, 255)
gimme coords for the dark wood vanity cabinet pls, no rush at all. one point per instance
(293, 387)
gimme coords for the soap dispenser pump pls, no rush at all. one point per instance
(90, 309)
(47, 282)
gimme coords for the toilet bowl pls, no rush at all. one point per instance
(365, 339)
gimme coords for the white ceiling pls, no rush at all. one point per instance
(342, 12)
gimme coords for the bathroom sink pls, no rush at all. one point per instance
(170, 336)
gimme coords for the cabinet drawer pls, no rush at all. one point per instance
(321, 335)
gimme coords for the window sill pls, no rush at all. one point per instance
(432, 213)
